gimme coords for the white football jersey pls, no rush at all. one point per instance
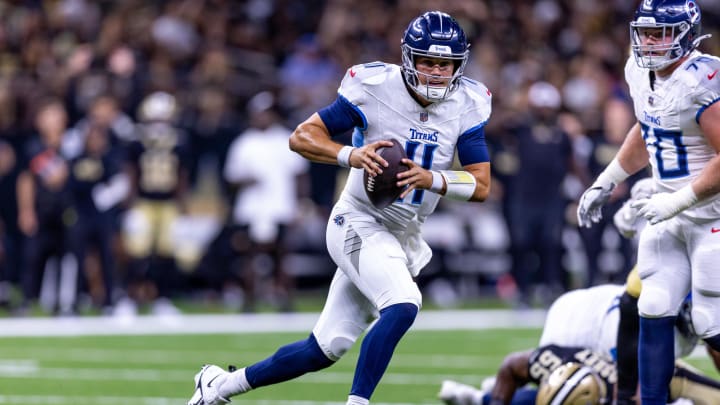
(585, 318)
(429, 134)
(668, 113)
(590, 317)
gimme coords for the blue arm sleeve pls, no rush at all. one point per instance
(341, 116)
(471, 146)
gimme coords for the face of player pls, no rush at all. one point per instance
(656, 37)
(434, 72)
(657, 42)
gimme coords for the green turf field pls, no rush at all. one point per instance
(158, 370)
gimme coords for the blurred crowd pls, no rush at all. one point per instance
(143, 148)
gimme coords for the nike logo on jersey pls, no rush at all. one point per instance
(714, 230)
(352, 73)
(712, 75)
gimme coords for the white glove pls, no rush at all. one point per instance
(591, 202)
(642, 189)
(662, 206)
(627, 219)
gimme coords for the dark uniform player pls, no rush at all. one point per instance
(159, 181)
(534, 366)
(96, 184)
(44, 203)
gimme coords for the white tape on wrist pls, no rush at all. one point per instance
(460, 184)
(613, 174)
(438, 182)
(343, 157)
(686, 197)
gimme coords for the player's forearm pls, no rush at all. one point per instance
(504, 389)
(633, 155)
(312, 142)
(481, 172)
(707, 184)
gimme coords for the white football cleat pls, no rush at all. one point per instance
(455, 393)
(207, 382)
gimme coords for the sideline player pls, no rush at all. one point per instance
(674, 89)
(427, 105)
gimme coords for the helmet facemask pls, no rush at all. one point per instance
(660, 56)
(412, 75)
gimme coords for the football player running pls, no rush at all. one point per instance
(674, 89)
(429, 107)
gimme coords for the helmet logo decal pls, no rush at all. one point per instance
(647, 4)
(439, 49)
(692, 10)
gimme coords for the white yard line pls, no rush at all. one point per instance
(145, 375)
(249, 323)
(98, 400)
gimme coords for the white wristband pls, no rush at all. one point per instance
(613, 174)
(686, 197)
(460, 184)
(438, 182)
(343, 157)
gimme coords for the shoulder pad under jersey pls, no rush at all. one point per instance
(359, 76)
(476, 88)
(705, 68)
(359, 73)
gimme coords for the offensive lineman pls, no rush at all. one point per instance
(429, 107)
(674, 89)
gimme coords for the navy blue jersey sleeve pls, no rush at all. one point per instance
(472, 147)
(341, 116)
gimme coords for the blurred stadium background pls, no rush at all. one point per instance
(138, 126)
(125, 116)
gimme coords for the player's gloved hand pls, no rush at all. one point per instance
(642, 189)
(626, 219)
(591, 202)
(662, 206)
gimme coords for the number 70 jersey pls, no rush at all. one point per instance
(668, 112)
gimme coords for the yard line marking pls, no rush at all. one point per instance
(251, 323)
(179, 357)
(108, 400)
(105, 374)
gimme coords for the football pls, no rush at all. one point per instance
(382, 189)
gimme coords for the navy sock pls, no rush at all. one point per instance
(288, 362)
(656, 358)
(378, 346)
(713, 342)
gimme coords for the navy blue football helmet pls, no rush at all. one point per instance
(678, 19)
(434, 34)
